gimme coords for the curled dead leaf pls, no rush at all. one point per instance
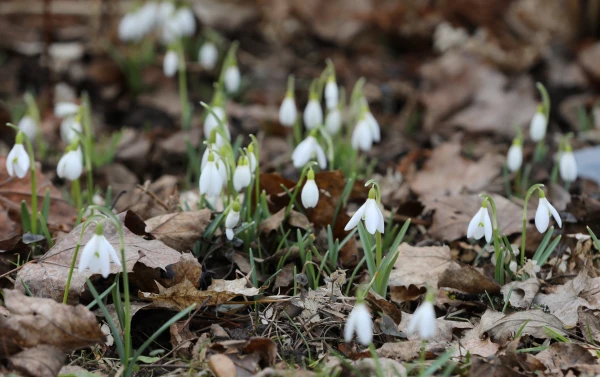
(180, 230)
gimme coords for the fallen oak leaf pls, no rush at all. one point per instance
(39, 361)
(37, 321)
(273, 222)
(181, 230)
(534, 322)
(182, 295)
(469, 280)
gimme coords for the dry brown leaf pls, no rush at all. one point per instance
(501, 328)
(181, 230)
(39, 361)
(39, 321)
(417, 267)
(521, 293)
(563, 356)
(182, 295)
(273, 222)
(48, 277)
(151, 199)
(448, 173)
(453, 214)
(564, 300)
(474, 344)
(383, 367)
(589, 324)
(410, 349)
(247, 356)
(469, 280)
(222, 366)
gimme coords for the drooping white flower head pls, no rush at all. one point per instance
(232, 79)
(69, 129)
(362, 138)
(307, 150)
(423, 321)
(537, 128)
(214, 149)
(287, 112)
(170, 63)
(331, 93)
(359, 320)
(70, 165)
(211, 122)
(146, 18)
(333, 121)
(514, 158)
(370, 213)
(211, 181)
(567, 166)
(208, 55)
(164, 11)
(310, 191)
(242, 174)
(128, 28)
(65, 109)
(232, 219)
(17, 161)
(513, 266)
(28, 126)
(184, 18)
(481, 224)
(373, 126)
(97, 254)
(313, 114)
(543, 212)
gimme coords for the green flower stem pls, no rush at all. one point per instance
(297, 131)
(183, 92)
(330, 150)
(256, 152)
(422, 358)
(34, 205)
(499, 272)
(76, 194)
(297, 187)
(518, 188)
(540, 151)
(524, 229)
(378, 249)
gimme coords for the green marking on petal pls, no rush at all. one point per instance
(480, 224)
(97, 254)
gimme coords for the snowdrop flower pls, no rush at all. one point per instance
(208, 55)
(362, 138)
(28, 126)
(331, 93)
(17, 161)
(512, 266)
(66, 109)
(359, 321)
(146, 17)
(333, 121)
(567, 165)
(313, 114)
(232, 79)
(306, 151)
(423, 321)
(164, 11)
(310, 191)
(232, 219)
(213, 121)
(128, 28)
(97, 254)
(537, 128)
(70, 129)
(185, 21)
(373, 126)
(211, 181)
(287, 112)
(70, 165)
(514, 158)
(481, 225)
(370, 213)
(242, 174)
(170, 63)
(542, 215)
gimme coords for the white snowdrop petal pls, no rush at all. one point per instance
(371, 216)
(473, 224)
(333, 121)
(313, 114)
(170, 63)
(17, 161)
(229, 233)
(381, 223)
(349, 328)
(487, 226)
(537, 128)
(542, 217)
(232, 219)
(331, 94)
(65, 109)
(554, 214)
(287, 112)
(28, 126)
(567, 167)
(356, 217)
(310, 194)
(514, 158)
(208, 55)
(373, 126)
(241, 177)
(232, 79)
